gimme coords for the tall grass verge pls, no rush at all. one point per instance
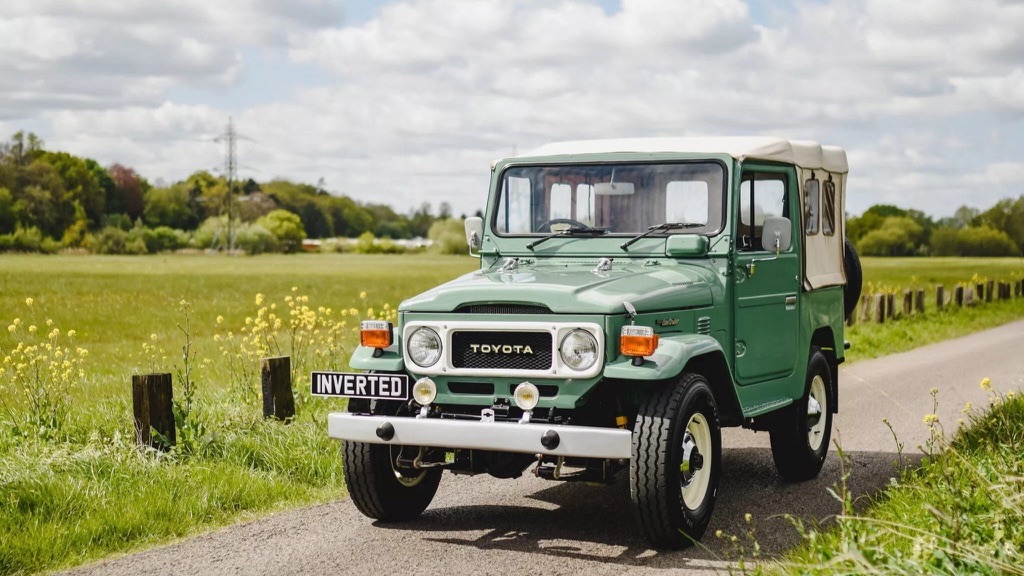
(960, 512)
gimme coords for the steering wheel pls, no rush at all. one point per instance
(569, 221)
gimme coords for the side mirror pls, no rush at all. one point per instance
(474, 234)
(777, 234)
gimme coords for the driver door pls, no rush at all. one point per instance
(766, 289)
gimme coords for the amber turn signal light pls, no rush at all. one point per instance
(375, 333)
(638, 341)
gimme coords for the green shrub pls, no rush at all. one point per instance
(256, 239)
(110, 240)
(448, 236)
(368, 244)
(164, 238)
(286, 227)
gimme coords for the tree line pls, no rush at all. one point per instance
(51, 200)
(886, 230)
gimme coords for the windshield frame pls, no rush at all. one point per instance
(499, 191)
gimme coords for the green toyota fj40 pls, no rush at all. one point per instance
(633, 297)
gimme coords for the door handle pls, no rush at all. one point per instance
(790, 301)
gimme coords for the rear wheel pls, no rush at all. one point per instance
(676, 459)
(800, 438)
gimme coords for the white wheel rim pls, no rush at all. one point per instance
(694, 483)
(816, 432)
(406, 481)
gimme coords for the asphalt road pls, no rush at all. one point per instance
(480, 525)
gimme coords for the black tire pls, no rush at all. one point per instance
(378, 490)
(670, 514)
(800, 442)
(854, 278)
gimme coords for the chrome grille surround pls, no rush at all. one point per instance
(556, 331)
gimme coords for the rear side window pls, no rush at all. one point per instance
(812, 195)
(828, 216)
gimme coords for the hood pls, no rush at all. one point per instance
(573, 288)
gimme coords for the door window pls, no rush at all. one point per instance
(762, 195)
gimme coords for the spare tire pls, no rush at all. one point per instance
(854, 277)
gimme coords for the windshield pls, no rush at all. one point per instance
(621, 198)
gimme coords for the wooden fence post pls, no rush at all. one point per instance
(940, 296)
(908, 302)
(919, 300)
(278, 401)
(958, 296)
(1018, 290)
(979, 291)
(890, 306)
(865, 308)
(152, 404)
(879, 308)
(990, 286)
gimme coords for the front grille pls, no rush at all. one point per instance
(503, 309)
(501, 350)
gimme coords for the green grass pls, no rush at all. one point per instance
(961, 512)
(89, 492)
(871, 340)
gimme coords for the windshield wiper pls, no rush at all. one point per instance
(659, 228)
(571, 231)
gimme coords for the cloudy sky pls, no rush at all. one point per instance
(408, 101)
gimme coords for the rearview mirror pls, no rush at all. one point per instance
(613, 188)
(474, 234)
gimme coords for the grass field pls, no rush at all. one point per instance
(88, 492)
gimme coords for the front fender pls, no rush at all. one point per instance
(673, 353)
(389, 361)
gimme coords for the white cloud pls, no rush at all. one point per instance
(412, 105)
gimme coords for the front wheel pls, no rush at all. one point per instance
(382, 491)
(676, 459)
(800, 439)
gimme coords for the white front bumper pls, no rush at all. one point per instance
(578, 441)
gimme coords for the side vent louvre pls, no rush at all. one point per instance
(704, 325)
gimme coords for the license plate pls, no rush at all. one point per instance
(360, 385)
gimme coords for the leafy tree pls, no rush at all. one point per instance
(170, 207)
(126, 195)
(286, 227)
(8, 218)
(448, 236)
(80, 185)
(986, 241)
(897, 236)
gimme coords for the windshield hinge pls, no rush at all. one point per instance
(510, 264)
(604, 265)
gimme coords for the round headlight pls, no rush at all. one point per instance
(424, 347)
(526, 396)
(578, 350)
(424, 391)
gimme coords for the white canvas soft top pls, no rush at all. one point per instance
(805, 154)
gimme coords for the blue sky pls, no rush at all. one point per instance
(408, 102)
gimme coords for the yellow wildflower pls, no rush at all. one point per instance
(986, 384)
(29, 301)
(362, 295)
(32, 329)
(930, 419)
(259, 299)
(220, 319)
